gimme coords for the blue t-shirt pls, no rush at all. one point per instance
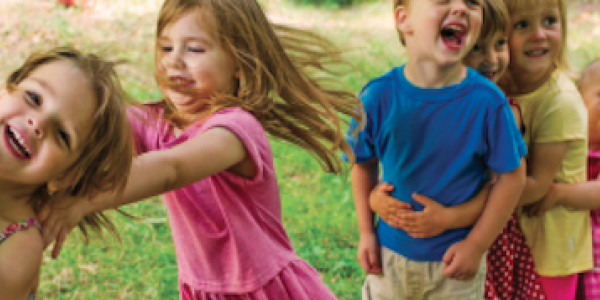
(437, 142)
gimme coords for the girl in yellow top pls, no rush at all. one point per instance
(556, 135)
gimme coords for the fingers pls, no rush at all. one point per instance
(385, 187)
(426, 201)
(363, 260)
(60, 239)
(43, 214)
(48, 234)
(374, 265)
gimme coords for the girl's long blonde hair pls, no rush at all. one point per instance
(107, 154)
(282, 76)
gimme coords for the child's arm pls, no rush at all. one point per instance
(155, 172)
(364, 179)
(545, 159)
(582, 196)
(20, 262)
(500, 205)
(433, 219)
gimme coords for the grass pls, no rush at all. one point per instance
(317, 207)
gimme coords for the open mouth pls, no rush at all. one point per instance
(181, 81)
(537, 52)
(488, 74)
(453, 35)
(16, 143)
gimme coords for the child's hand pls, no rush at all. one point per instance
(462, 260)
(368, 253)
(430, 222)
(388, 208)
(58, 219)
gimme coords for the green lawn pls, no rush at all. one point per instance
(317, 207)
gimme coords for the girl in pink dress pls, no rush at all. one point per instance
(229, 78)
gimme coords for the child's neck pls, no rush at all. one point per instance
(433, 75)
(526, 83)
(14, 202)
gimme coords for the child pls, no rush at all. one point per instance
(227, 79)
(434, 116)
(556, 119)
(56, 137)
(509, 262)
(585, 195)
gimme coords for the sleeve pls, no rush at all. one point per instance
(250, 132)
(362, 140)
(504, 141)
(561, 118)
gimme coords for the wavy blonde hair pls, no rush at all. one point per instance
(282, 76)
(107, 153)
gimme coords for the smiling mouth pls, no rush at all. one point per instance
(536, 52)
(181, 81)
(16, 142)
(488, 74)
(453, 35)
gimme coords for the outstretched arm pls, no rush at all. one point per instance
(364, 179)
(156, 172)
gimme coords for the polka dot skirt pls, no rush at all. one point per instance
(510, 273)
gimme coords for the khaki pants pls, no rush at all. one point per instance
(415, 280)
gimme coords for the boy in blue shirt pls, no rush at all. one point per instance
(436, 127)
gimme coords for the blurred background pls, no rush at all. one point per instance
(317, 208)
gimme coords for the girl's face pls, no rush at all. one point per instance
(190, 56)
(490, 56)
(536, 40)
(44, 123)
(590, 91)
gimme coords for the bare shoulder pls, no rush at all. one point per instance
(20, 261)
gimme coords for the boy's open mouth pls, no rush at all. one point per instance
(453, 35)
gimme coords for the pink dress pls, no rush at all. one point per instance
(229, 239)
(510, 271)
(591, 279)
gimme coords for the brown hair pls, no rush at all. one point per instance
(106, 157)
(495, 19)
(275, 64)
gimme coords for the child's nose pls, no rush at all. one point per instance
(491, 57)
(174, 60)
(538, 33)
(37, 124)
(458, 8)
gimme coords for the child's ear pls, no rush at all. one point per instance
(402, 20)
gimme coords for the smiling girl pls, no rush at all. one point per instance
(55, 137)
